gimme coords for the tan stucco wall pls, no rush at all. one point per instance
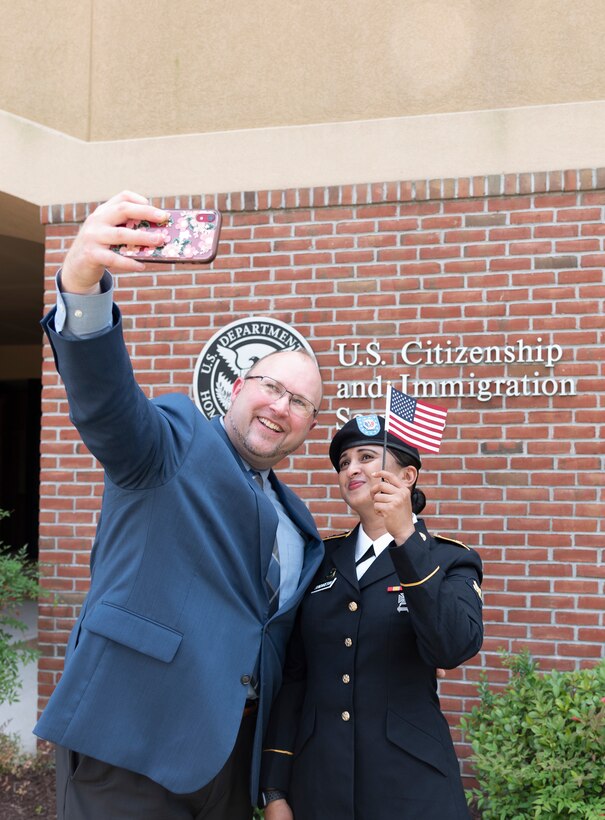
(107, 70)
(46, 62)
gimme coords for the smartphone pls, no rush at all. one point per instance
(191, 237)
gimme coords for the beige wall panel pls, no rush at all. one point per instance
(157, 68)
(240, 64)
(45, 62)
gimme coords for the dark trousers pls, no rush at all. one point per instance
(88, 789)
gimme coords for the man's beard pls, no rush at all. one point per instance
(276, 455)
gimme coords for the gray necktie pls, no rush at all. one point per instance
(273, 572)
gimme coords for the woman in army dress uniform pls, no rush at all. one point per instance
(357, 732)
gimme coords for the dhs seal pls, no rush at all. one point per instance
(231, 352)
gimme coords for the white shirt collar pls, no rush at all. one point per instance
(380, 544)
(364, 541)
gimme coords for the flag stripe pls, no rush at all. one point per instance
(435, 425)
(406, 427)
(429, 413)
(420, 413)
(432, 408)
(416, 441)
(410, 430)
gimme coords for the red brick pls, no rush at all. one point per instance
(579, 215)
(581, 650)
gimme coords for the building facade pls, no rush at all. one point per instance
(416, 188)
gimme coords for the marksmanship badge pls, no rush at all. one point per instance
(231, 352)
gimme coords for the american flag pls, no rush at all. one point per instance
(413, 421)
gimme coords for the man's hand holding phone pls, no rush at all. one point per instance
(189, 237)
(90, 253)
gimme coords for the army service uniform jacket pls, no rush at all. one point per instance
(357, 732)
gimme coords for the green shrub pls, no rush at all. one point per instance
(18, 583)
(539, 743)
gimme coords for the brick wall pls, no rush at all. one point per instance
(457, 263)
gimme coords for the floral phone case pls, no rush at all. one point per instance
(190, 237)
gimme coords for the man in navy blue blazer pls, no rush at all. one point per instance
(177, 655)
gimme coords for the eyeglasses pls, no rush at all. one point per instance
(275, 390)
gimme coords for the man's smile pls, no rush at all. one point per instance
(270, 425)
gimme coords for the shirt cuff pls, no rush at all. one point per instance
(269, 795)
(81, 317)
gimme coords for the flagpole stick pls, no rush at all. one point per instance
(386, 416)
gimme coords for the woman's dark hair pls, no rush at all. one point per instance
(418, 497)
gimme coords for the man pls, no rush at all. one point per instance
(176, 657)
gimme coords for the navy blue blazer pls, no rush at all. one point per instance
(157, 666)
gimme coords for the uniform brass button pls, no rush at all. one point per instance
(346, 716)
(346, 678)
(348, 642)
(353, 606)
(245, 679)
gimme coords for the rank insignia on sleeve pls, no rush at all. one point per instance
(475, 586)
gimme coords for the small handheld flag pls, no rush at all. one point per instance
(413, 421)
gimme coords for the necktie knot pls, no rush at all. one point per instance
(258, 478)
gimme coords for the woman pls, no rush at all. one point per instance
(357, 732)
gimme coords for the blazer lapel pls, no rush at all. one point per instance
(343, 558)
(267, 516)
(381, 567)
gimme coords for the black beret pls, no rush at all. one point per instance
(368, 430)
